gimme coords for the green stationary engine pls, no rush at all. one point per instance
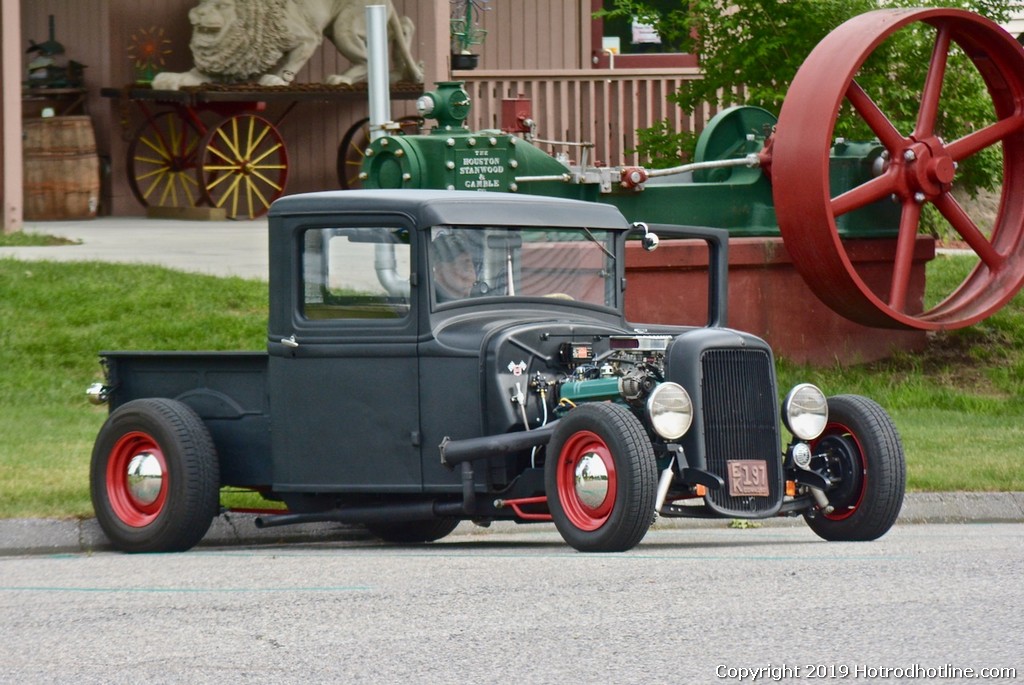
(725, 187)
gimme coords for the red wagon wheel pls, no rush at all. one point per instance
(162, 162)
(243, 166)
(352, 149)
(920, 168)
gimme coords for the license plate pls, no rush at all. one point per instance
(748, 478)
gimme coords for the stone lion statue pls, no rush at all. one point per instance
(269, 41)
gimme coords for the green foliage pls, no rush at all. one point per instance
(22, 239)
(661, 146)
(57, 318)
(750, 52)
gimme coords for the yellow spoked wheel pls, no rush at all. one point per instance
(162, 162)
(243, 166)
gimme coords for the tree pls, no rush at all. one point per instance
(750, 50)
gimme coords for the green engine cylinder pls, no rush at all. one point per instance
(452, 157)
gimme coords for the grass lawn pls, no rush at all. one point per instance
(959, 406)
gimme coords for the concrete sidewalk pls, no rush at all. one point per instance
(219, 248)
(36, 536)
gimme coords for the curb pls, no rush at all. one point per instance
(74, 536)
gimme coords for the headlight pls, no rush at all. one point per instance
(671, 410)
(805, 411)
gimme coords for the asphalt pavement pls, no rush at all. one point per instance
(239, 248)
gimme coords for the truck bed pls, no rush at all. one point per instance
(227, 389)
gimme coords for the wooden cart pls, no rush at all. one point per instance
(213, 145)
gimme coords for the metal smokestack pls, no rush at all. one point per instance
(378, 70)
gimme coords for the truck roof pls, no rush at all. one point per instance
(433, 207)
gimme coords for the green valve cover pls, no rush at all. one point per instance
(596, 389)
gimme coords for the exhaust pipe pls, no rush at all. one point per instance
(473, 449)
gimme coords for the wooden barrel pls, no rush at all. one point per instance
(62, 170)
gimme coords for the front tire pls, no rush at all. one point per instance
(601, 478)
(154, 477)
(863, 449)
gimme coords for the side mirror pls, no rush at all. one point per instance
(649, 240)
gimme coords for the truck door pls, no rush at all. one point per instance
(343, 368)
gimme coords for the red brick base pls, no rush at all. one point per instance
(769, 298)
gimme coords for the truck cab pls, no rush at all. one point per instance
(441, 356)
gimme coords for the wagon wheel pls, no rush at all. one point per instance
(919, 170)
(353, 146)
(161, 162)
(243, 166)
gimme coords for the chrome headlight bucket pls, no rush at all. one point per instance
(805, 411)
(670, 410)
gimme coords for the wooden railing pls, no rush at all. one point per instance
(599, 106)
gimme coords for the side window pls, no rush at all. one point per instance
(356, 273)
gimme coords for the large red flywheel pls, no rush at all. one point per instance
(919, 169)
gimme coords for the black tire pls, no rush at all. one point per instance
(412, 532)
(865, 451)
(615, 516)
(174, 514)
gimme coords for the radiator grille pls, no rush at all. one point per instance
(741, 422)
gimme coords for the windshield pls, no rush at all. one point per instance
(559, 263)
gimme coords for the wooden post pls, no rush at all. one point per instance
(10, 116)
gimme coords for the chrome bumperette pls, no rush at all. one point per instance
(98, 393)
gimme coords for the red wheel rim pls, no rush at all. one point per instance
(580, 450)
(126, 506)
(921, 170)
(841, 430)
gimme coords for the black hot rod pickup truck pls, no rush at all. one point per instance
(439, 356)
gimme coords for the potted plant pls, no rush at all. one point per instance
(466, 32)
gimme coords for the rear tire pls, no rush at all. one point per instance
(601, 477)
(154, 477)
(865, 451)
(412, 532)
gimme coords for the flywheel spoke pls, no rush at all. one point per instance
(864, 194)
(977, 141)
(903, 263)
(969, 231)
(892, 139)
(932, 92)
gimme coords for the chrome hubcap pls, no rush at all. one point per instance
(145, 478)
(591, 480)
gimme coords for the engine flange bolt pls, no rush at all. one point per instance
(909, 155)
(919, 198)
